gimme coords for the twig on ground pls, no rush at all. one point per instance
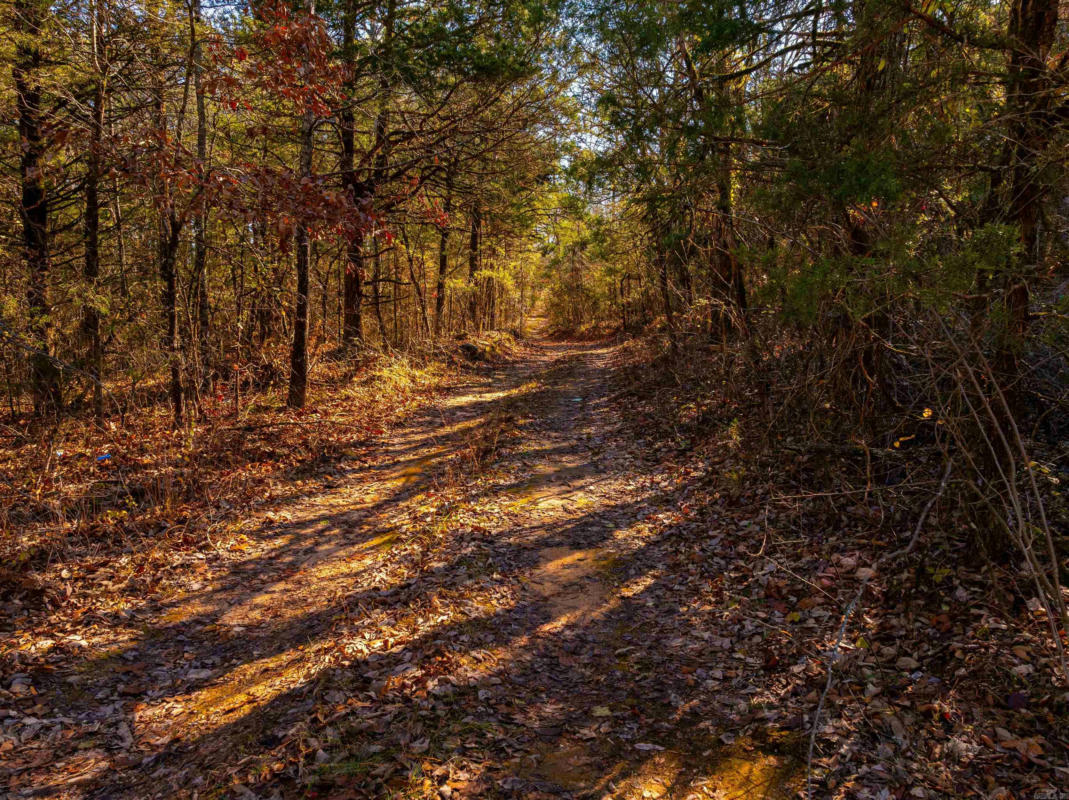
(833, 654)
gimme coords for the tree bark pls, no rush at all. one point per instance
(376, 294)
(169, 229)
(34, 204)
(730, 269)
(381, 145)
(727, 272)
(91, 269)
(443, 257)
(353, 278)
(298, 384)
(120, 233)
(417, 283)
(167, 259)
(473, 265)
(1032, 29)
(200, 216)
(353, 291)
(666, 295)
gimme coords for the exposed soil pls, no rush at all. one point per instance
(513, 597)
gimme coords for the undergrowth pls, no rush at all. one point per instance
(891, 509)
(76, 492)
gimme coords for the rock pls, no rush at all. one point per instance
(907, 664)
(471, 352)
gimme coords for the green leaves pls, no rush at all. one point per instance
(857, 176)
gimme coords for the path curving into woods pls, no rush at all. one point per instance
(482, 611)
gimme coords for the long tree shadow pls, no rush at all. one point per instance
(405, 648)
(622, 667)
(463, 689)
(197, 633)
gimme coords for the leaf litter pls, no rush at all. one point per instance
(521, 595)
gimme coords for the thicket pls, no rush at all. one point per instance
(852, 214)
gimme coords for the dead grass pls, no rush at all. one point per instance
(78, 494)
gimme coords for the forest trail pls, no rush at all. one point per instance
(289, 508)
(476, 611)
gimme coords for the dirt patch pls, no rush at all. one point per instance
(720, 774)
(570, 583)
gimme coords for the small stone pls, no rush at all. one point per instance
(906, 663)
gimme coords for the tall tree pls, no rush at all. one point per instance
(298, 383)
(353, 275)
(1030, 89)
(30, 18)
(94, 356)
(199, 279)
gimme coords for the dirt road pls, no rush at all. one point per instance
(490, 607)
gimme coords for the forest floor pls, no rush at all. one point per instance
(514, 594)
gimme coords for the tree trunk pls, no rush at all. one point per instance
(1032, 29)
(91, 269)
(34, 204)
(167, 259)
(298, 385)
(473, 265)
(666, 296)
(353, 278)
(382, 119)
(443, 258)
(728, 270)
(120, 237)
(381, 145)
(353, 292)
(200, 217)
(727, 273)
(376, 294)
(395, 299)
(167, 240)
(417, 284)
(439, 289)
